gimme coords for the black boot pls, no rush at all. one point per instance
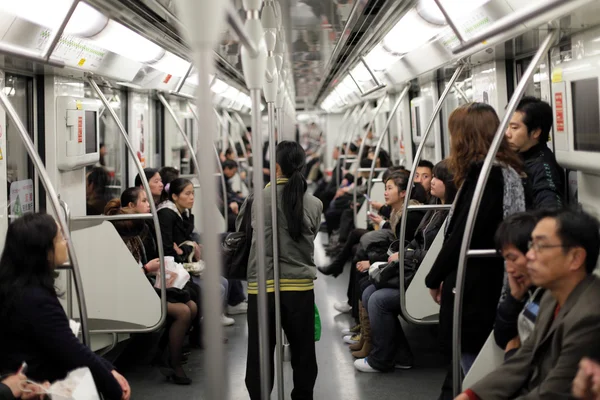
(333, 269)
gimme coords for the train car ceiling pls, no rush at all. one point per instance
(420, 41)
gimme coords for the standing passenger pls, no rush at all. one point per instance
(299, 217)
(527, 134)
(472, 129)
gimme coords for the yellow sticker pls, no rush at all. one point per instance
(78, 104)
(1, 158)
(81, 62)
(557, 75)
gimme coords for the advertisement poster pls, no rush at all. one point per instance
(21, 198)
(139, 132)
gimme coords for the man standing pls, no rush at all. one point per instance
(561, 259)
(527, 134)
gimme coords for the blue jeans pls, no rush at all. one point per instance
(224, 289)
(387, 336)
(466, 361)
(236, 292)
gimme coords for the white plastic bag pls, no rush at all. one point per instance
(78, 385)
(176, 275)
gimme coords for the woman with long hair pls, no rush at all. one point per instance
(383, 343)
(181, 311)
(472, 129)
(35, 328)
(298, 221)
(97, 193)
(154, 180)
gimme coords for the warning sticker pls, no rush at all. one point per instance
(79, 129)
(560, 112)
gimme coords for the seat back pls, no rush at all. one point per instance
(377, 191)
(489, 358)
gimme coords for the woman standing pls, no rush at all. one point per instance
(472, 129)
(298, 221)
(35, 328)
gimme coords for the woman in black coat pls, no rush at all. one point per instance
(472, 128)
(35, 328)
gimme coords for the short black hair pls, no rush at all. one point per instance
(391, 170)
(353, 148)
(228, 151)
(426, 164)
(516, 230)
(576, 228)
(366, 163)
(229, 164)
(537, 114)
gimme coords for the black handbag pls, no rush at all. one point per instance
(236, 247)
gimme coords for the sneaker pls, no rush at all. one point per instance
(351, 331)
(342, 307)
(241, 308)
(352, 339)
(363, 366)
(226, 321)
(403, 365)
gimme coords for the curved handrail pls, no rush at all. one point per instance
(348, 116)
(55, 202)
(475, 203)
(362, 149)
(405, 209)
(383, 135)
(219, 166)
(153, 211)
(237, 133)
(348, 137)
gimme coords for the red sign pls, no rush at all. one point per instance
(79, 129)
(560, 112)
(168, 78)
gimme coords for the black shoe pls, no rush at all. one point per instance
(404, 360)
(179, 380)
(330, 270)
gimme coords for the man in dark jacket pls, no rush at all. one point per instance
(527, 134)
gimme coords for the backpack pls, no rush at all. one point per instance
(236, 247)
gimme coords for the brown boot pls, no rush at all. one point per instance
(365, 326)
(359, 345)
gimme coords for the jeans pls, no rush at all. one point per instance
(466, 361)
(236, 292)
(224, 289)
(387, 336)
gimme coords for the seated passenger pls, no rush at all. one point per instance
(180, 308)
(586, 384)
(382, 335)
(562, 257)
(155, 182)
(35, 328)
(97, 193)
(518, 309)
(527, 134)
(177, 226)
(472, 130)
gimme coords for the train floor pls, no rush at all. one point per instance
(337, 377)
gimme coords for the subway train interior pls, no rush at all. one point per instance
(95, 92)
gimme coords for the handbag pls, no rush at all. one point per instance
(195, 268)
(236, 247)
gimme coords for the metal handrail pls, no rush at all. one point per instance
(348, 137)
(55, 202)
(159, 243)
(429, 207)
(512, 20)
(405, 207)
(239, 137)
(362, 149)
(450, 22)
(348, 115)
(118, 217)
(221, 174)
(183, 79)
(475, 203)
(383, 135)
(238, 27)
(55, 35)
(67, 211)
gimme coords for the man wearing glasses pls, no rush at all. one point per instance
(561, 258)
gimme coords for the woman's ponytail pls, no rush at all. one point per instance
(292, 160)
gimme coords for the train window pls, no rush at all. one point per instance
(19, 169)
(586, 114)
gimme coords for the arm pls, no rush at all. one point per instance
(49, 328)
(167, 220)
(546, 188)
(505, 327)
(579, 341)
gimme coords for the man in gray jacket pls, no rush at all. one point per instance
(562, 256)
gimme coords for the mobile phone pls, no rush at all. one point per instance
(23, 368)
(367, 197)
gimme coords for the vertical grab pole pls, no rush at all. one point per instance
(411, 179)
(475, 203)
(140, 169)
(348, 116)
(270, 89)
(362, 149)
(383, 134)
(204, 19)
(51, 193)
(255, 65)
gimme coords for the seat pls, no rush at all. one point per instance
(489, 358)
(377, 191)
